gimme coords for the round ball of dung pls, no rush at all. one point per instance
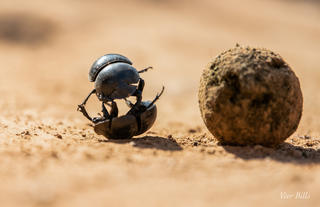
(250, 96)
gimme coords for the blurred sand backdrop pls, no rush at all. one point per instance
(50, 156)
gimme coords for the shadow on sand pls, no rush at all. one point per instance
(286, 152)
(151, 142)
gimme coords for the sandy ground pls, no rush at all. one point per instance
(50, 156)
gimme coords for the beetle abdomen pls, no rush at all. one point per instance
(103, 61)
(126, 126)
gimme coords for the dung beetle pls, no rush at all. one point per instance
(115, 78)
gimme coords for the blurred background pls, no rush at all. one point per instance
(46, 50)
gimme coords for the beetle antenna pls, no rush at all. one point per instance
(145, 70)
(156, 98)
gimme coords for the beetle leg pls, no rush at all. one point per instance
(82, 108)
(141, 85)
(138, 92)
(106, 116)
(135, 109)
(113, 113)
(87, 98)
(129, 104)
(103, 117)
(105, 112)
(114, 110)
(156, 98)
(145, 70)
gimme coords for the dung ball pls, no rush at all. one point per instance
(250, 96)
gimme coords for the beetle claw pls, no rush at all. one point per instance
(80, 107)
(98, 119)
(83, 110)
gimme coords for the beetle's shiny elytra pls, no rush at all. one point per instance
(103, 61)
(113, 75)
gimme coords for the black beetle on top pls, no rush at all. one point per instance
(114, 78)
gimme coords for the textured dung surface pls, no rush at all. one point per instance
(250, 96)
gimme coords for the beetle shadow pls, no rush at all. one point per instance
(286, 153)
(149, 142)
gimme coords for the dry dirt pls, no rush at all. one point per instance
(50, 156)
